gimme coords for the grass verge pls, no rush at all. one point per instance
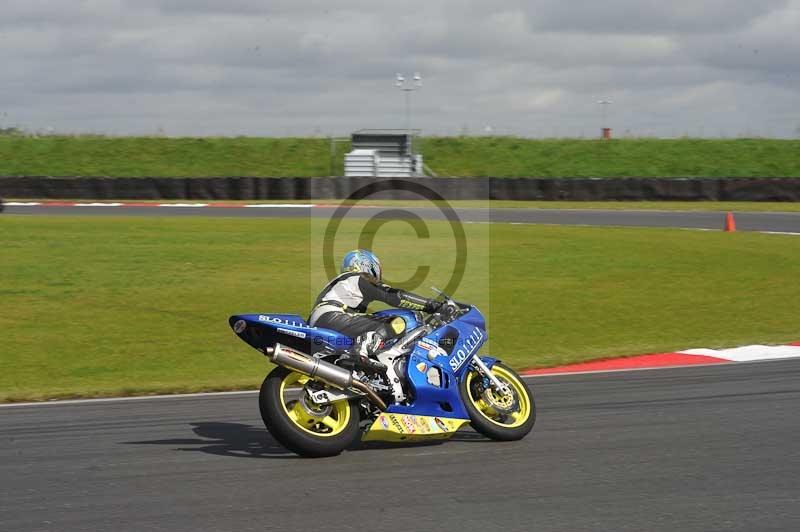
(448, 156)
(107, 306)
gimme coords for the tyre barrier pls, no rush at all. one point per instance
(451, 188)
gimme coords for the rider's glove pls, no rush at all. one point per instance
(415, 302)
(449, 309)
(435, 306)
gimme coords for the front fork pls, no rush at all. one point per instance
(486, 372)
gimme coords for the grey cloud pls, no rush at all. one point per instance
(647, 16)
(529, 68)
(770, 44)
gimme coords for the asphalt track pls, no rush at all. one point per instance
(747, 221)
(689, 449)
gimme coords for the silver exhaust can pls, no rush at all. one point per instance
(308, 365)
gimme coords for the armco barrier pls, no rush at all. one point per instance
(300, 188)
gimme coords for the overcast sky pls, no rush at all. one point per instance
(293, 67)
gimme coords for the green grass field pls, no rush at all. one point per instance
(447, 156)
(105, 306)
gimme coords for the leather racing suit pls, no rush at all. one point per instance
(342, 303)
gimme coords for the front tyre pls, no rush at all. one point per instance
(300, 425)
(499, 417)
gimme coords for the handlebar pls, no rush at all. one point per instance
(439, 318)
(450, 303)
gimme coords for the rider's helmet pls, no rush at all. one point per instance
(361, 260)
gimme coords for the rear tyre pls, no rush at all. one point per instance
(499, 417)
(301, 426)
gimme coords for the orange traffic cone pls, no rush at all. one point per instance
(730, 223)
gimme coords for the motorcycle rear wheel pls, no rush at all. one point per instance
(301, 426)
(499, 417)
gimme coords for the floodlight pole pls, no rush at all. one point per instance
(604, 113)
(400, 83)
(408, 109)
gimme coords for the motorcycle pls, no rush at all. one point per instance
(424, 385)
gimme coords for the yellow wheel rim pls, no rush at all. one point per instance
(508, 411)
(326, 421)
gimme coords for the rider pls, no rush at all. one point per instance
(342, 304)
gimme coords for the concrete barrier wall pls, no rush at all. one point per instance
(300, 188)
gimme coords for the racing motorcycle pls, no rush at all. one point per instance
(424, 385)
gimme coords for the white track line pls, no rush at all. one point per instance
(121, 399)
(22, 204)
(725, 364)
(280, 205)
(183, 204)
(749, 353)
(99, 204)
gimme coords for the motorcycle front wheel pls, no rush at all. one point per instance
(504, 417)
(300, 425)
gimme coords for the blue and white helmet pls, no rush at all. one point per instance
(361, 260)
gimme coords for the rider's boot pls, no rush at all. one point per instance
(367, 345)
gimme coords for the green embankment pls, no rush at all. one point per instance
(447, 156)
(101, 306)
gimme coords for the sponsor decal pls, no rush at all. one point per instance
(441, 424)
(426, 345)
(239, 326)
(434, 377)
(421, 367)
(290, 332)
(434, 350)
(409, 423)
(422, 423)
(384, 422)
(471, 344)
(271, 319)
(396, 424)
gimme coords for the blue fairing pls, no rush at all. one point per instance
(265, 330)
(461, 339)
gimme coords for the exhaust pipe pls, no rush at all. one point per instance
(320, 370)
(370, 393)
(313, 367)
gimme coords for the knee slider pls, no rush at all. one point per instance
(398, 325)
(392, 328)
